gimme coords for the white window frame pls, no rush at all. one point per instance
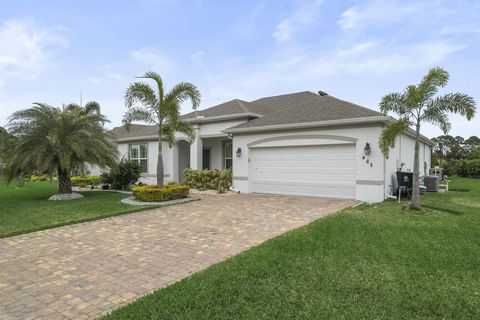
(139, 158)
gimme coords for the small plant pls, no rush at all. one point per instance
(156, 194)
(124, 174)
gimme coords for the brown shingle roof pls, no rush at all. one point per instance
(290, 108)
(230, 107)
(318, 108)
(136, 130)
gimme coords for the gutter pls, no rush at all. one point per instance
(302, 125)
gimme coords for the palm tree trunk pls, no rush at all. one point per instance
(64, 181)
(415, 205)
(160, 167)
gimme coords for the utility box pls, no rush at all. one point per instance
(431, 182)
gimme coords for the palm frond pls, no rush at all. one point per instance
(182, 92)
(158, 79)
(435, 79)
(390, 133)
(458, 103)
(393, 102)
(138, 114)
(92, 107)
(437, 117)
(140, 92)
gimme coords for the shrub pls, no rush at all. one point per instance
(86, 180)
(220, 180)
(38, 178)
(463, 168)
(124, 174)
(154, 193)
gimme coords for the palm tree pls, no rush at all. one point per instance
(161, 109)
(418, 104)
(49, 139)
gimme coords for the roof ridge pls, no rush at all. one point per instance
(242, 104)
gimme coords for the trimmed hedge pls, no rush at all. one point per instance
(86, 180)
(463, 168)
(220, 180)
(38, 178)
(156, 194)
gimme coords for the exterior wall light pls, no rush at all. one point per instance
(239, 152)
(367, 149)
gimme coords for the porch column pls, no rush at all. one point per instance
(196, 152)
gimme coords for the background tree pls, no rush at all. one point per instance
(417, 104)
(472, 147)
(52, 140)
(449, 148)
(160, 108)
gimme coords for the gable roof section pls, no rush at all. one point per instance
(315, 108)
(136, 131)
(235, 106)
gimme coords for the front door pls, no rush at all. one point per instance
(206, 159)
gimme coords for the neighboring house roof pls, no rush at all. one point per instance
(136, 130)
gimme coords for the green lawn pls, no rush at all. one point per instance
(371, 262)
(27, 209)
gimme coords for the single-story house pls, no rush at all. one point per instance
(294, 144)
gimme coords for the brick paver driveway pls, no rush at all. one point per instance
(84, 270)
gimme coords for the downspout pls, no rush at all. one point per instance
(385, 180)
(232, 189)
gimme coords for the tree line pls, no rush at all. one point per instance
(449, 148)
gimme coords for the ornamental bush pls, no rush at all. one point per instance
(220, 180)
(86, 180)
(156, 194)
(121, 176)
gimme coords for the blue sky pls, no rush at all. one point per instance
(354, 50)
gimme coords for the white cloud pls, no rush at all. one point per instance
(197, 57)
(377, 12)
(26, 47)
(359, 48)
(152, 59)
(303, 16)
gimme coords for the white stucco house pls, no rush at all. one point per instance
(295, 144)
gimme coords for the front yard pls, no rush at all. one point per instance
(380, 261)
(27, 209)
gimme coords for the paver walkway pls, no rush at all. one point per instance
(84, 270)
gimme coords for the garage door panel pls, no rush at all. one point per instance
(327, 171)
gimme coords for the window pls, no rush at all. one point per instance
(228, 155)
(139, 154)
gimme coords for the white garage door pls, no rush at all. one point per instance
(322, 171)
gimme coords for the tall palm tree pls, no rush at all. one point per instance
(418, 104)
(160, 108)
(49, 139)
